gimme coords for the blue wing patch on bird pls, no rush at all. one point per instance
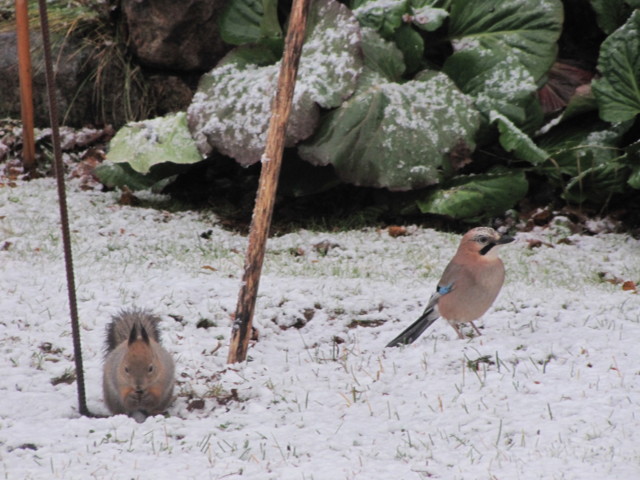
(444, 289)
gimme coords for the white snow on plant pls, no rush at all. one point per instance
(371, 12)
(433, 109)
(232, 116)
(465, 43)
(379, 5)
(387, 128)
(330, 62)
(550, 390)
(606, 138)
(429, 18)
(158, 140)
(508, 84)
(232, 108)
(549, 125)
(515, 140)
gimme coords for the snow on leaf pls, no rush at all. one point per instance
(331, 59)
(151, 142)
(398, 136)
(515, 26)
(515, 140)
(428, 15)
(385, 16)
(232, 108)
(495, 78)
(428, 18)
(230, 111)
(618, 91)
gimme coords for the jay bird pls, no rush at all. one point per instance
(468, 287)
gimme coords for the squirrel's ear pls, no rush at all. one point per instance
(145, 336)
(133, 335)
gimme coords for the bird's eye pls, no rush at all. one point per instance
(483, 239)
(126, 369)
(150, 368)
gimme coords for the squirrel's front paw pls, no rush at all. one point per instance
(139, 416)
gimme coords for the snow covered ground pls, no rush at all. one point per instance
(551, 390)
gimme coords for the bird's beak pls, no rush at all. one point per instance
(505, 239)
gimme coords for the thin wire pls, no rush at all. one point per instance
(62, 197)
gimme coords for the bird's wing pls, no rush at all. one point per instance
(446, 284)
(449, 277)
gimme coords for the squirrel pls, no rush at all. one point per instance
(138, 372)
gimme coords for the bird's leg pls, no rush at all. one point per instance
(457, 329)
(475, 328)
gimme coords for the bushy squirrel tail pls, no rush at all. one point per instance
(122, 324)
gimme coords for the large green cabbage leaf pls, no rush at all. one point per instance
(527, 30)
(251, 21)
(472, 197)
(150, 142)
(397, 136)
(618, 91)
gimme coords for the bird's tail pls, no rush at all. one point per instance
(413, 331)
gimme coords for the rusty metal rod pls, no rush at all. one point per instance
(26, 86)
(64, 217)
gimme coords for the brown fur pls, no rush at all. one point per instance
(138, 372)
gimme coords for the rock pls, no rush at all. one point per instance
(98, 82)
(170, 35)
(74, 99)
(170, 93)
(92, 88)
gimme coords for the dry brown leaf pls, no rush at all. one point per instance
(535, 243)
(629, 286)
(397, 231)
(128, 198)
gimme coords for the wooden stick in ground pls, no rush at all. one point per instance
(265, 198)
(26, 86)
